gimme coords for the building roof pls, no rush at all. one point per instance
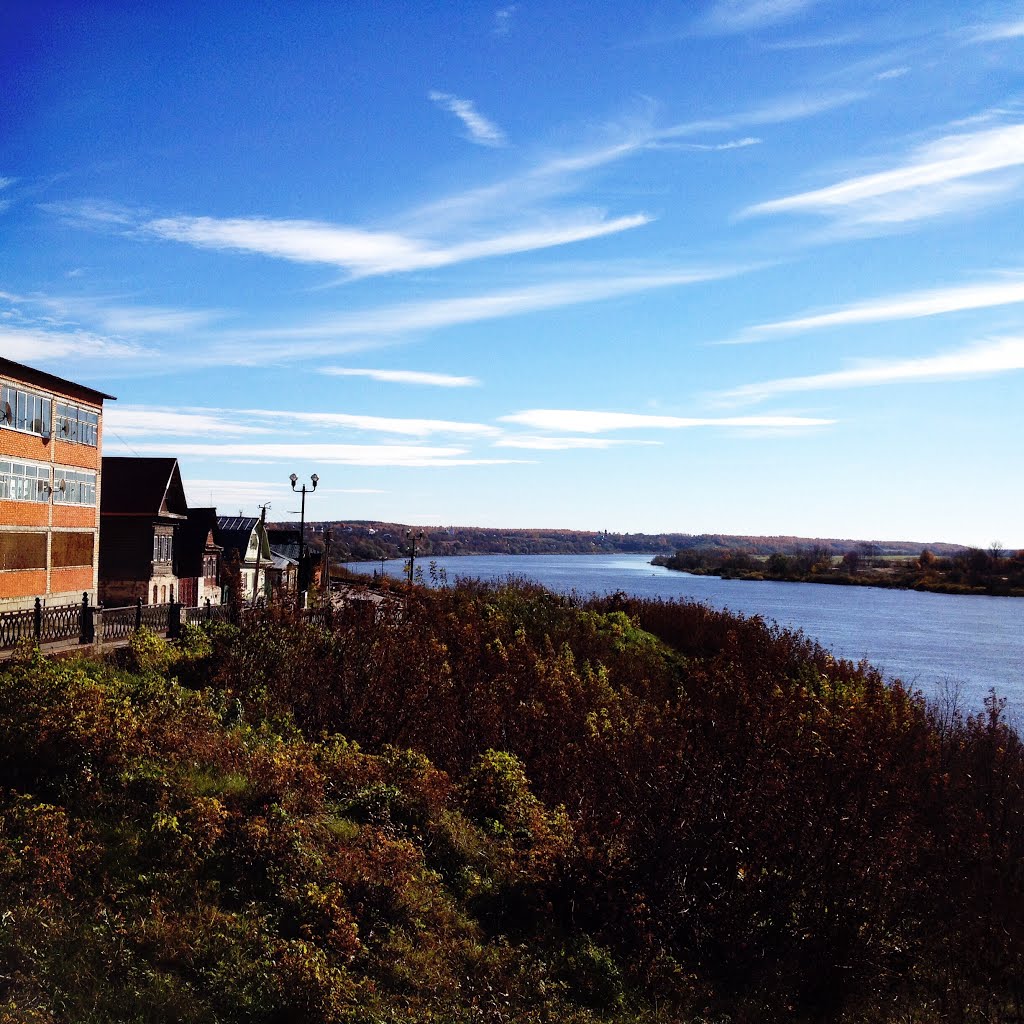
(30, 374)
(193, 538)
(233, 533)
(135, 486)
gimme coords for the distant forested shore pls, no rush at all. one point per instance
(365, 541)
(961, 571)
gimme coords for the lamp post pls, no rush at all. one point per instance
(302, 520)
(412, 550)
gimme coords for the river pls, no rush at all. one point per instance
(930, 641)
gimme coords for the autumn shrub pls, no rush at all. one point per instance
(501, 804)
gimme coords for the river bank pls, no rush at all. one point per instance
(934, 642)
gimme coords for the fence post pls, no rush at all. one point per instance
(97, 628)
(138, 614)
(37, 620)
(85, 627)
(174, 620)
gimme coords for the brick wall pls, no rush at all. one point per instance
(18, 588)
(18, 583)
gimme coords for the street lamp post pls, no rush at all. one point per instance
(302, 520)
(412, 551)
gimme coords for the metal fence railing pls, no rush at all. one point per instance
(88, 624)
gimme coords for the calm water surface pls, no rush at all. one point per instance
(927, 640)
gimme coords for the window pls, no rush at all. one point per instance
(22, 551)
(30, 412)
(24, 481)
(74, 486)
(163, 548)
(77, 424)
(71, 549)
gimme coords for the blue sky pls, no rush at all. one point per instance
(739, 266)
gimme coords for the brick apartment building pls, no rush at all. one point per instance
(51, 435)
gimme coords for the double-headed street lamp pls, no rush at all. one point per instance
(302, 521)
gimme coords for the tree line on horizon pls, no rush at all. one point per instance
(964, 571)
(372, 541)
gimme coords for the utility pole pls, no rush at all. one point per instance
(325, 580)
(412, 551)
(260, 534)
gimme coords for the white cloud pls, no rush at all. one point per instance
(321, 454)
(155, 320)
(481, 131)
(557, 175)
(331, 334)
(593, 422)
(707, 147)
(557, 444)
(227, 493)
(37, 344)
(7, 182)
(981, 360)
(159, 421)
(381, 424)
(503, 19)
(437, 380)
(727, 16)
(998, 33)
(908, 306)
(364, 253)
(884, 76)
(929, 183)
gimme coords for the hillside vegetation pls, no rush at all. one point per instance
(502, 805)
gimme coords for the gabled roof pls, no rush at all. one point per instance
(135, 486)
(233, 533)
(193, 539)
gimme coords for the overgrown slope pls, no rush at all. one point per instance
(502, 806)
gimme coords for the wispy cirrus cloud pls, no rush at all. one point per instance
(37, 345)
(595, 422)
(478, 128)
(907, 306)
(364, 253)
(162, 421)
(437, 380)
(563, 173)
(325, 335)
(984, 359)
(558, 444)
(410, 456)
(503, 19)
(732, 16)
(936, 178)
(997, 32)
(224, 494)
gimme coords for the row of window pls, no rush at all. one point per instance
(77, 424)
(29, 481)
(31, 412)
